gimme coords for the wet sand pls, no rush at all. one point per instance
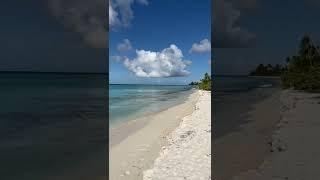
(135, 145)
(244, 126)
(294, 151)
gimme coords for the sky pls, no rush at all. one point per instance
(70, 36)
(159, 42)
(249, 32)
(53, 35)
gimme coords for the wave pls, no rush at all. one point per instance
(265, 86)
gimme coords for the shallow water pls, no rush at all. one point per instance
(128, 102)
(234, 96)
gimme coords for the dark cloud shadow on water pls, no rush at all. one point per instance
(53, 125)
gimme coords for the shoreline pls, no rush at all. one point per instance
(255, 124)
(276, 140)
(133, 125)
(137, 143)
(294, 153)
(266, 77)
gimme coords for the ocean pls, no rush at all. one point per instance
(130, 101)
(234, 84)
(53, 125)
(234, 97)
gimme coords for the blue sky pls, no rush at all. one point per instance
(154, 25)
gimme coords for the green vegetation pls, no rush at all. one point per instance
(194, 83)
(302, 71)
(204, 84)
(267, 70)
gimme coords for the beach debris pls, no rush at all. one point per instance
(127, 173)
(137, 167)
(186, 134)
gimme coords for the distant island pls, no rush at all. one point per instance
(204, 84)
(301, 71)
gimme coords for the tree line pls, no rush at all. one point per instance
(300, 72)
(204, 84)
(267, 70)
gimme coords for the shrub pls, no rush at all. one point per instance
(205, 83)
(303, 71)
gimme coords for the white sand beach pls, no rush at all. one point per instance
(188, 154)
(295, 151)
(143, 140)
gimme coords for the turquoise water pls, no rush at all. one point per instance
(132, 101)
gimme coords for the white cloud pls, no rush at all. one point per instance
(87, 18)
(113, 16)
(227, 31)
(125, 45)
(117, 58)
(202, 47)
(167, 63)
(121, 13)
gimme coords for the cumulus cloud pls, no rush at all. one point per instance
(124, 46)
(121, 13)
(113, 16)
(117, 58)
(202, 47)
(88, 18)
(227, 33)
(167, 63)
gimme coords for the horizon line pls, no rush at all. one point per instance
(148, 84)
(53, 72)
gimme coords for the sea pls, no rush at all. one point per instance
(53, 126)
(131, 101)
(234, 97)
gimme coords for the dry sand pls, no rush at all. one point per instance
(188, 154)
(136, 145)
(295, 151)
